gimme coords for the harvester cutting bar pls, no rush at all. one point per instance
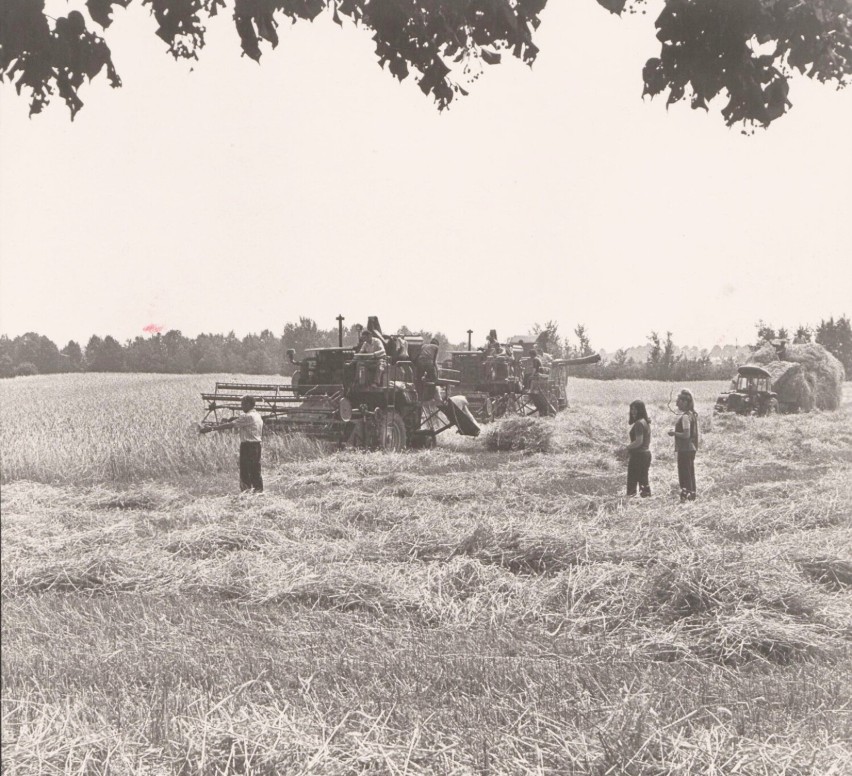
(251, 388)
(273, 401)
(227, 400)
(227, 392)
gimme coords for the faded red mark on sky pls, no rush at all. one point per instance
(152, 328)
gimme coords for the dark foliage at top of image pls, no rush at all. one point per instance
(744, 49)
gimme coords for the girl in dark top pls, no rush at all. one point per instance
(685, 435)
(639, 450)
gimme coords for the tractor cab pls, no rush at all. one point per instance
(752, 381)
(751, 393)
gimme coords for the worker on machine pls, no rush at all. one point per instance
(371, 345)
(534, 369)
(492, 346)
(426, 371)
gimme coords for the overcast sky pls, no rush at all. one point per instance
(237, 196)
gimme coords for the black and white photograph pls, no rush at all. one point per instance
(426, 387)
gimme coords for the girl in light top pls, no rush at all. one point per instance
(639, 450)
(685, 435)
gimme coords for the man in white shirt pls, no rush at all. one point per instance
(371, 345)
(250, 426)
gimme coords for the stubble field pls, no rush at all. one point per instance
(450, 611)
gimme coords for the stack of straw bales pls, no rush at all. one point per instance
(806, 375)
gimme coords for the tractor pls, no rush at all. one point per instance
(498, 381)
(751, 393)
(354, 399)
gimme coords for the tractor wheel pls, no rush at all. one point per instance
(772, 407)
(393, 436)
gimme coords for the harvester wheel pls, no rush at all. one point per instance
(392, 433)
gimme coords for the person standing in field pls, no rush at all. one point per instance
(685, 435)
(639, 450)
(250, 426)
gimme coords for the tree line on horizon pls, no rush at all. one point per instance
(174, 353)
(265, 353)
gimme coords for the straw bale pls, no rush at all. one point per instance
(821, 371)
(792, 384)
(532, 435)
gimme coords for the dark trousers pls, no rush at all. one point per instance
(425, 378)
(686, 474)
(638, 465)
(250, 478)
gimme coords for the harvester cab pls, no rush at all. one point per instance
(751, 393)
(360, 399)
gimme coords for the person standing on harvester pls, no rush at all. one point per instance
(250, 426)
(426, 370)
(685, 435)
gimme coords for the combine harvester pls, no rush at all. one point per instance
(500, 382)
(348, 398)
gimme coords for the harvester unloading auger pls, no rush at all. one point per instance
(356, 399)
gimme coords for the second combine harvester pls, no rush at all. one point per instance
(500, 379)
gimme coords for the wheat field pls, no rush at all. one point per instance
(454, 611)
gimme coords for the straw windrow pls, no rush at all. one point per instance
(451, 611)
